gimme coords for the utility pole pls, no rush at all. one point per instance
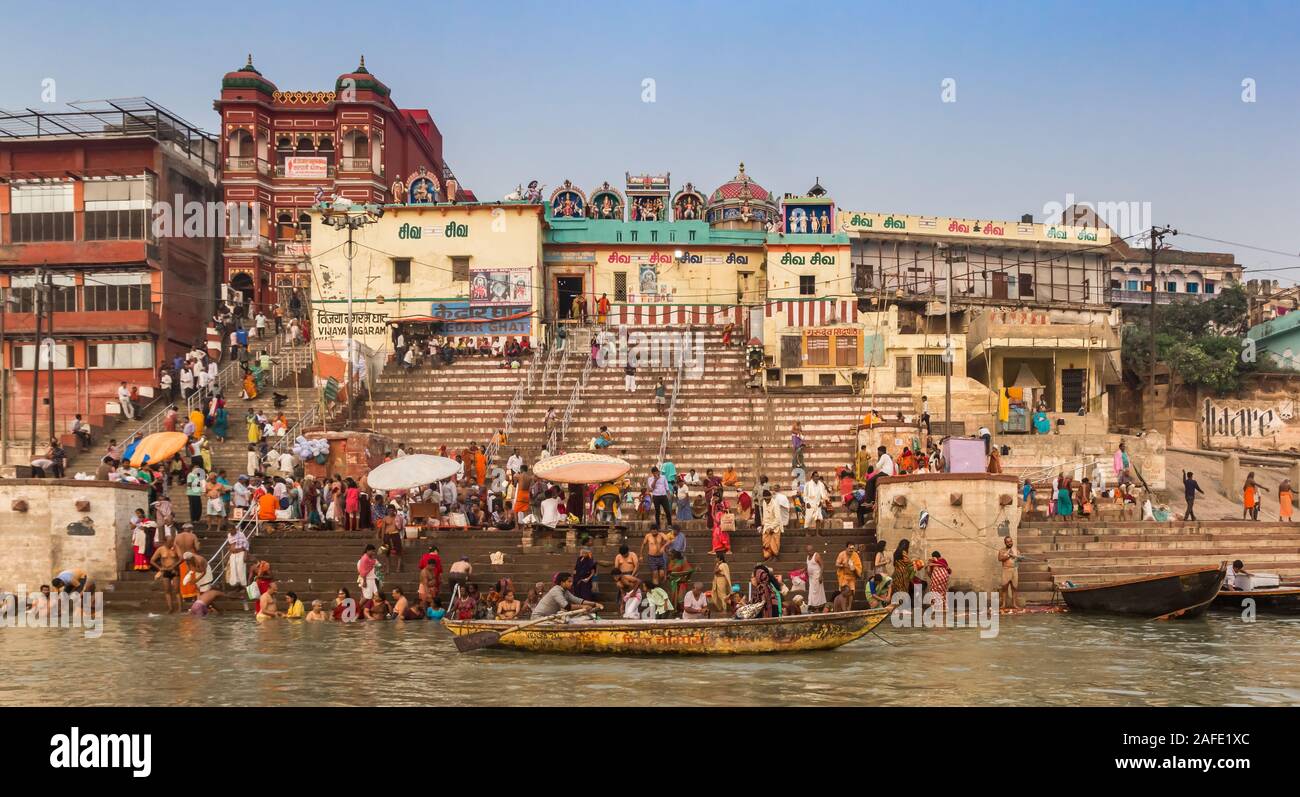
(948, 356)
(1157, 239)
(49, 333)
(36, 353)
(4, 381)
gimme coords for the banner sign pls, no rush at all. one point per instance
(305, 168)
(501, 286)
(464, 318)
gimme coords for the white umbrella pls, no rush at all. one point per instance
(413, 470)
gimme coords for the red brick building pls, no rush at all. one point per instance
(281, 147)
(77, 193)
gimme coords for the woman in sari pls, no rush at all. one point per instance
(220, 423)
(1064, 499)
(254, 428)
(679, 577)
(939, 574)
(250, 384)
(584, 576)
(721, 583)
(906, 461)
(904, 573)
(763, 591)
(196, 417)
(721, 539)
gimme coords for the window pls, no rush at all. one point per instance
(902, 371)
(401, 270)
(620, 286)
(1209, 287)
(460, 269)
(1026, 284)
(1132, 285)
(116, 291)
(930, 365)
(1172, 287)
(117, 209)
(1192, 287)
(846, 350)
(23, 357)
(41, 212)
(64, 297)
(819, 351)
(120, 355)
(807, 285)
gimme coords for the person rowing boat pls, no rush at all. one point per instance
(560, 598)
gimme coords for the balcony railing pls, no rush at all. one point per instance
(293, 248)
(355, 165)
(250, 244)
(247, 165)
(1162, 297)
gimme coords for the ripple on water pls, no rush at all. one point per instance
(1035, 660)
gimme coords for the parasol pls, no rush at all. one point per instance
(581, 468)
(158, 447)
(413, 470)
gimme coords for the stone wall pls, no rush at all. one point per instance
(1037, 454)
(1265, 419)
(36, 543)
(968, 534)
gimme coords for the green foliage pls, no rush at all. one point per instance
(1201, 342)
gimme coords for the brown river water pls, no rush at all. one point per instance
(1052, 659)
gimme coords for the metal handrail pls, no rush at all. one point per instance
(516, 404)
(220, 560)
(672, 408)
(574, 396)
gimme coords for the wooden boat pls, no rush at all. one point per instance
(723, 636)
(1181, 593)
(1272, 600)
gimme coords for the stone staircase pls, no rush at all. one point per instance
(1093, 552)
(718, 421)
(315, 564)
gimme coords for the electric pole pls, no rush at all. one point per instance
(49, 333)
(36, 354)
(1157, 239)
(948, 354)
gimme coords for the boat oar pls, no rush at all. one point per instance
(484, 639)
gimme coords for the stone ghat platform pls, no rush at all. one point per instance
(315, 564)
(1094, 552)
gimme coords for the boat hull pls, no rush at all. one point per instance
(1281, 600)
(1180, 594)
(684, 637)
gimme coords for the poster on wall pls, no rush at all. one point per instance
(465, 318)
(305, 168)
(648, 279)
(501, 286)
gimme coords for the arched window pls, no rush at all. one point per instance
(304, 226)
(1194, 282)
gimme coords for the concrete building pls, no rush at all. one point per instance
(78, 194)
(283, 149)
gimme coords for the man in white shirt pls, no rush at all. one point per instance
(885, 464)
(695, 604)
(252, 462)
(287, 461)
(551, 510)
(204, 379)
(260, 321)
(124, 401)
(815, 497)
(187, 383)
(240, 493)
(515, 463)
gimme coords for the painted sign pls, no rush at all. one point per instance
(501, 286)
(451, 229)
(648, 280)
(464, 318)
(1237, 419)
(985, 229)
(306, 168)
(335, 325)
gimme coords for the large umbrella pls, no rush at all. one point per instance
(158, 447)
(581, 468)
(412, 470)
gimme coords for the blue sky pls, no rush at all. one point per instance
(1107, 101)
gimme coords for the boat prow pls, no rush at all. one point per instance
(794, 633)
(1177, 594)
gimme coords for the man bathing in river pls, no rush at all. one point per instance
(625, 567)
(166, 561)
(1009, 556)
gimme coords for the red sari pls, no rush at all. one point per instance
(721, 539)
(939, 573)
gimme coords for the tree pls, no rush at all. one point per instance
(1201, 342)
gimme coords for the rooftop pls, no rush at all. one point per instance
(130, 117)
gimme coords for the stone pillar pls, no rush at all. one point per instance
(1230, 479)
(1294, 474)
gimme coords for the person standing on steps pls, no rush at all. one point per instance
(658, 486)
(1190, 489)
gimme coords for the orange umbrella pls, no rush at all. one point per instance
(158, 447)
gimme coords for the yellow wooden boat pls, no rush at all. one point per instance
(722, 636)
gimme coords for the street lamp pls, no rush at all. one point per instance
(344, 214)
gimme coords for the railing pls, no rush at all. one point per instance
(552, 354)
(247, 165)
(292, 433)
(219, 562)
(1118, 295)
(230, 374)
(672, 408)
(574, 397)
(516, 404)
(354, 164)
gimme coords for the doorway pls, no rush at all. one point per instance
(566, 289)
(999, 285)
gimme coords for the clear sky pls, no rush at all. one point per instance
(1108, 101)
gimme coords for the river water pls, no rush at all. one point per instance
(1040, 659)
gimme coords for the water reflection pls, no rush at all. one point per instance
(1036, 660)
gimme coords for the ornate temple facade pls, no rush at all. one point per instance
(284, 150)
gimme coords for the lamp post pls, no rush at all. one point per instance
(343, 214)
